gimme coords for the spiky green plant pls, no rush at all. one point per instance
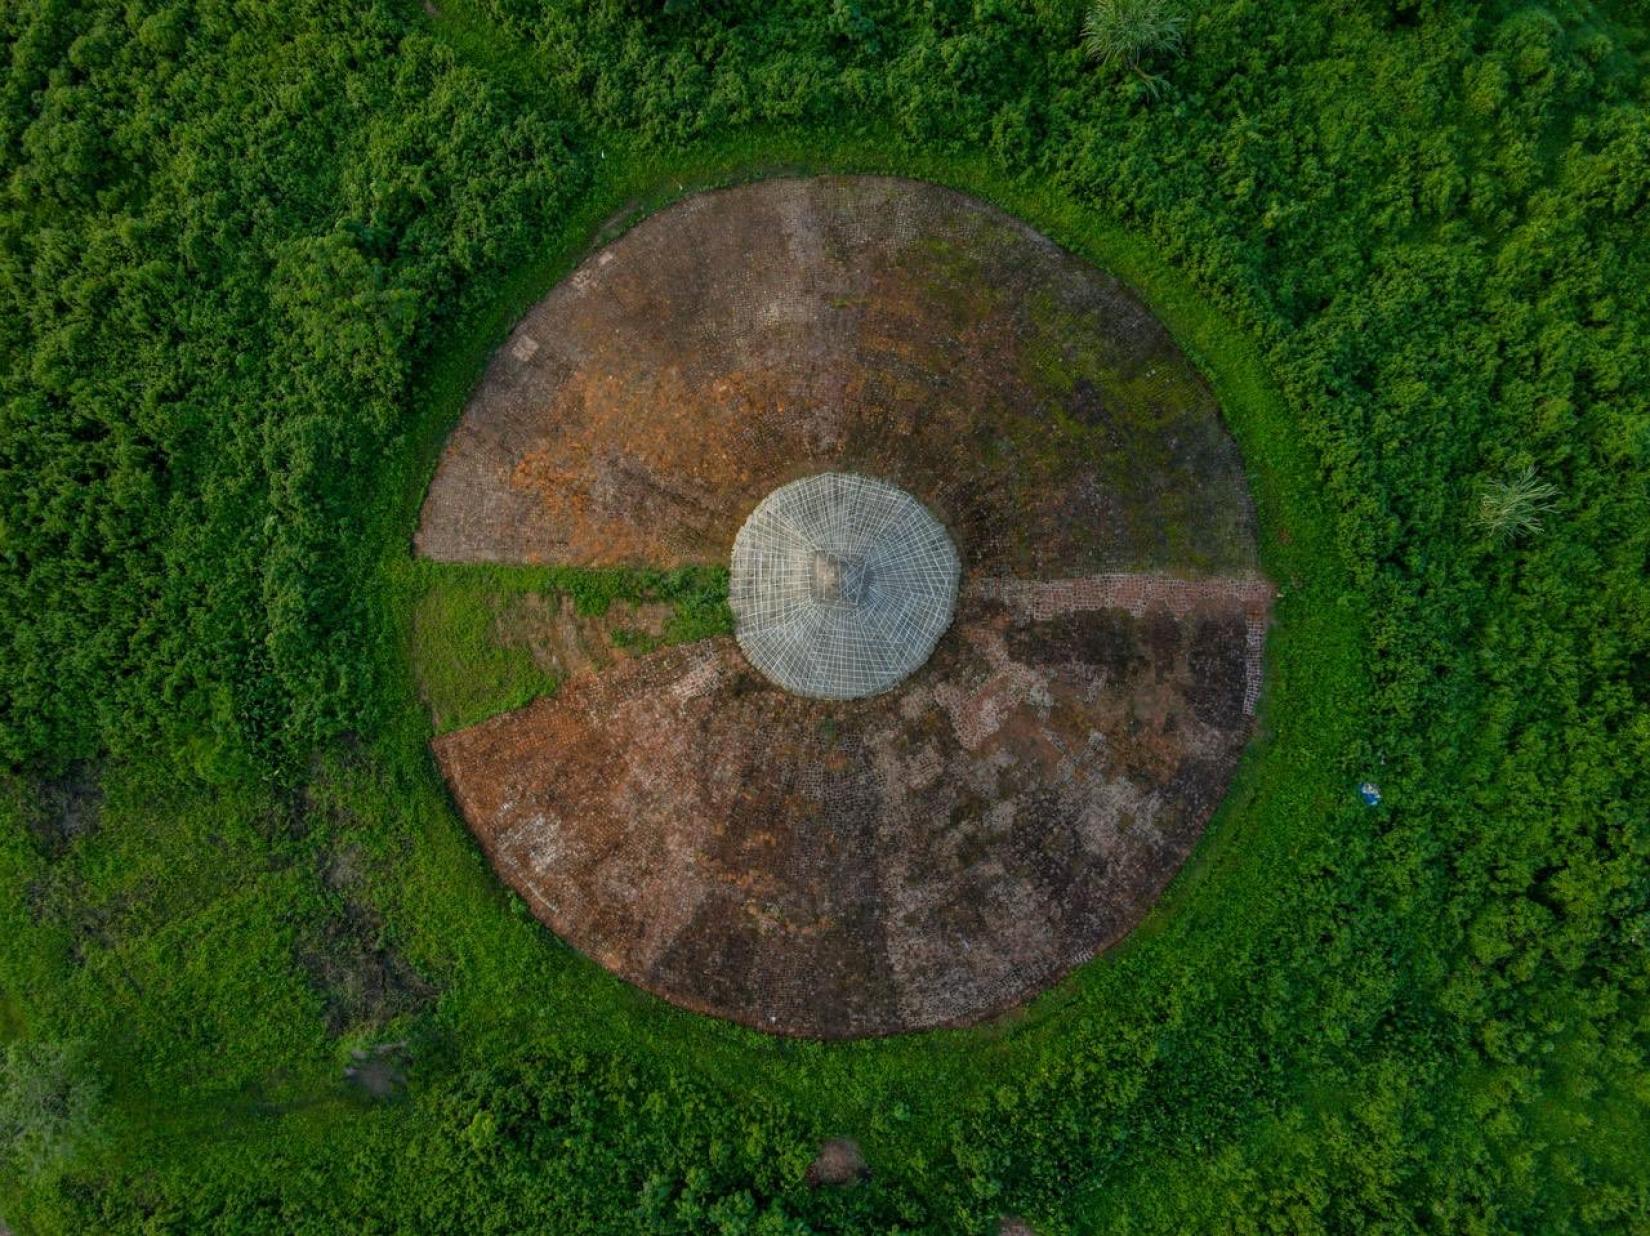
(1507, 509)
(1126, 31)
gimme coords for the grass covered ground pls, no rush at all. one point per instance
(253, 256)
(485, 639)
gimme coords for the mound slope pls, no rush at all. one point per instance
(936, 853)
(748, 337)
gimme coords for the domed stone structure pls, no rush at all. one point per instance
(840, 585)
(922, 827)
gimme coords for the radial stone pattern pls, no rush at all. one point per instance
(945, 760)
(841, 585)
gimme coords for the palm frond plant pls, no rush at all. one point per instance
(1127, 31)
(1509, 508)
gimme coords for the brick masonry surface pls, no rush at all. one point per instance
(928, 856)
(939, 852)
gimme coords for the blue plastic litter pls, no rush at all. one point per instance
(1370, 793)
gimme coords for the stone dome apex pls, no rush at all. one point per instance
(841, 585)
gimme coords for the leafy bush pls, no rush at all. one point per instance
(1124, 32)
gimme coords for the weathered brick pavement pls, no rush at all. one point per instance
(940, 852)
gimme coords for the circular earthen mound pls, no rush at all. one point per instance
(938, 852)
(840, 586)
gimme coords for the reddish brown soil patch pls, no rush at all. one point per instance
(921, 858)
(753, 335)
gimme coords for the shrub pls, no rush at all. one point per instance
(1126, 31)
(1509, 508)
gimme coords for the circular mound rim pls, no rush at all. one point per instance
(1231, 404)
(842, 651)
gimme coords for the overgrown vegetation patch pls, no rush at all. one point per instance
(364, 981)
(485, 639)
(59, 809)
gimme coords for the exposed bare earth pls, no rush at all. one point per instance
(938, 853)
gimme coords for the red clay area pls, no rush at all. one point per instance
(920, 858)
